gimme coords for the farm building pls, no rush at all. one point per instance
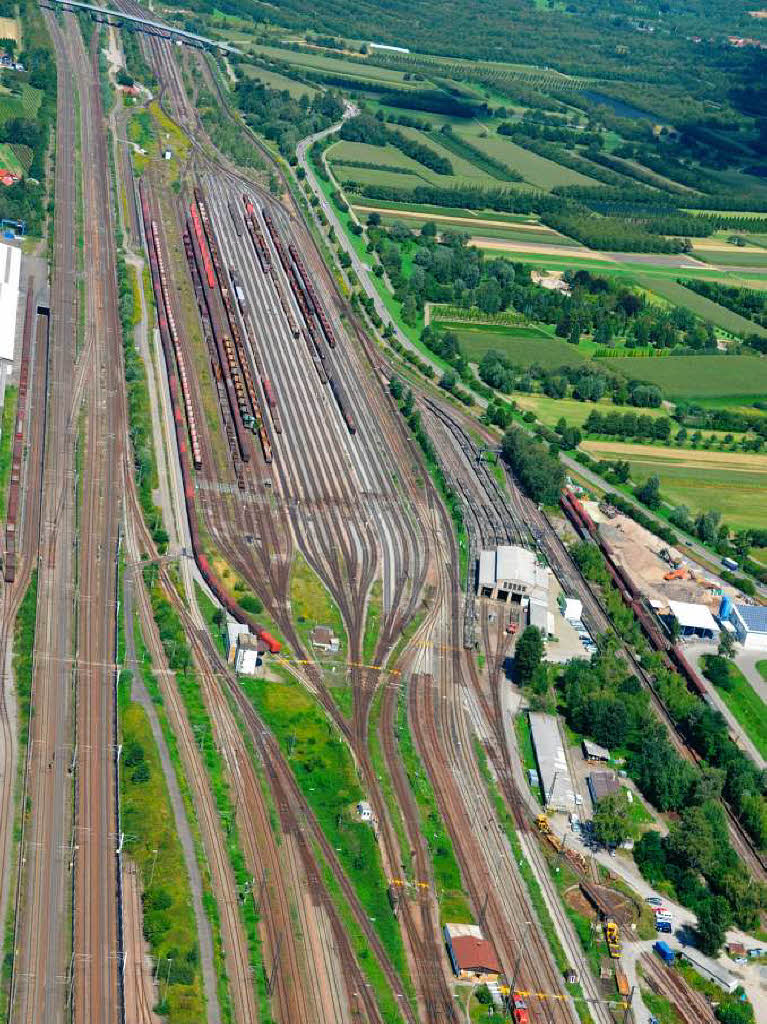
(556, 784)
(695, 620)
(750, 622)
(510, 573)
(10, 273)
(471, 954)
(593, 752)
(602, 784)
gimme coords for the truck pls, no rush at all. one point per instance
(664, 951)
(731, 564)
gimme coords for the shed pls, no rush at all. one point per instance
(472, 956)
(553, 769)
(710, 970)
(247, 659)
(593, 752)
(694, 619)
(234, 630)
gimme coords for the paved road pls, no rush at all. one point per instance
(747, 662)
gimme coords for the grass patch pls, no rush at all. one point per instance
(761, 667)
(153, 843)
(387, 788)
(744, 702)
(274, 80)
(372, 621)
(536, 170)
(6, 443)
(549, 410)
(453, 904)
(215, 619)
(327, 777)
(312, 604)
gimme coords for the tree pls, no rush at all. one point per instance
(611, 819)
(649, 492)
(726, 645)
(713, 921)
(528, 655)
(735, 1011)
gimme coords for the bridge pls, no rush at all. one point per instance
(158, 28)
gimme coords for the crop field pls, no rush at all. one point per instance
(720, 316)
(274, 80)
(381, 156)
(332, 65)
(463, 169)
(732, 483)
(537, 170)
(375, 176)
(734, 257)
(442, 212)
(8, 158)
(549, 410)
(522, 345)
(697, 376)
(510, 232)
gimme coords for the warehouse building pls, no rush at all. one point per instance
(10, 273)
(553, 771)
(511, 573)
(695, 620)
(472, 956)
(602, 784)
(750, 622)
(593, 752)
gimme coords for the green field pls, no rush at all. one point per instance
(364, 205)
(331, 65)
(463, 169)
(508, 232)
(549, 410)
(8, 159)
(376, 176)
(697, 376)
(745, 257)
(537, 170)
(734, 484)
(274, 80)
(720, 316)
(522, 345)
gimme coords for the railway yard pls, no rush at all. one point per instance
(275, 440)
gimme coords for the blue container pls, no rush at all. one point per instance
(664, 951)
(725, 609)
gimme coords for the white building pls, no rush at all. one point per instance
(553, 770)
(247, 659)
(750, 622)
(234, 630)
(10, 274)
(694, 620)
(510, 573)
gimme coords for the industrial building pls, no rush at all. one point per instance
(234, 630)
(511, 573)
(10, 274)
(750, 622)
(694, 620)
(472, 956)
(553, 771)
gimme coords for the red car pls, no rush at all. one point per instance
(519, 1010)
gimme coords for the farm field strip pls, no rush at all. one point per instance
(274, 80)
(522, 345)
(549, 410)
(319, 62)
(701, 306)
(739, 494)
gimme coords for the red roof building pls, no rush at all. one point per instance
(471, 954)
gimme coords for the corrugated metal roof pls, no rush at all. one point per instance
(538, 615)
(487, 568)
(552, 762)
(753, 616)
(591, 749)
(515, 563)
(10, 273)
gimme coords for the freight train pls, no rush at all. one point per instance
(672, 654)
(210, 577)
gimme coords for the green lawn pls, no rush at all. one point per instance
(720, 316)
(377, 176)
(442, 211)
(510, 232)
(747, 706)
(762, 668)
(523, 345)
(736, 258)
(334, 65)
(697, 376)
